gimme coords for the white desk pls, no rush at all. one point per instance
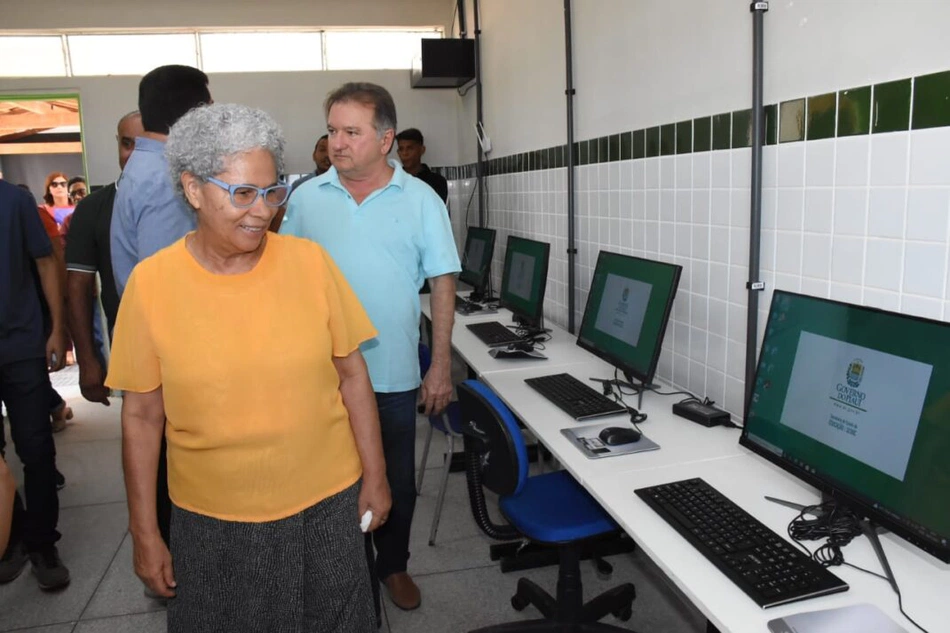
(562, 349)
(680, 440)
(924, 581)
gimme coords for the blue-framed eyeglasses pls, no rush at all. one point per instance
(244, 196)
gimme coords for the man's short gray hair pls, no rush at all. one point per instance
(206, 138)
(368, 94)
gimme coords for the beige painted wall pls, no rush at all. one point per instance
(98, 14)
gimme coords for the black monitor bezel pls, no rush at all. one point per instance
(859, 504)
(532, 320)
(466, 276)
(646, 378)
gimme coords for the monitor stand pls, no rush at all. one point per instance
(481, 295)
(798, 506)
(629, 382)
(530, 330)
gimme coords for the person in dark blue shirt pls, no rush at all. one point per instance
(26, 354)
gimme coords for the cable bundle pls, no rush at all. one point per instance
(834, 522)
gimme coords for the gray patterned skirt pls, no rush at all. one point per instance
(303, 574)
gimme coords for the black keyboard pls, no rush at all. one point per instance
(574, 397)
(769, 569)
(493, 333)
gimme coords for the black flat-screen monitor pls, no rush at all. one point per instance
(524, 279)
(628, 307)
(476, 259)
(856, 401)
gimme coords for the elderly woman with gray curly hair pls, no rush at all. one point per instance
(248, 342)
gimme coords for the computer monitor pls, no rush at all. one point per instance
(628, 307)
(476, 260)
(856, 401)
(524, 279)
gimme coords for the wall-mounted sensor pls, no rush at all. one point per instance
(483, 138)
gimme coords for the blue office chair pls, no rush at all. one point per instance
(448, 423)
(551, 508)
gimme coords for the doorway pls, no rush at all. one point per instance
(40, 134)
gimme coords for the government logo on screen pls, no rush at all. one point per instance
(855, 373)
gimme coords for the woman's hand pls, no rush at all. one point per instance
(375, 496)
(153, 564)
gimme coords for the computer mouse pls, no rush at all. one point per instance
(617, 435)
(521, 346)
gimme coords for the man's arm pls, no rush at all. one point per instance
(121, 237)
(437, 384)
(143, 422)
(48, 269)
(79, 297)
(360, 403)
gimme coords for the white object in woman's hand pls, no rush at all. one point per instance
(366, 520)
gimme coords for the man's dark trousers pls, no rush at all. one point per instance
(24, 389)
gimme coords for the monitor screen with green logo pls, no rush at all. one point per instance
(856, 401)
(628, 307)
(524, 279)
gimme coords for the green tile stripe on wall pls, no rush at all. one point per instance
(722, 131)
(742, 129)
(702, 134)
(667, 139)
(891, 109)
(684, 137)
(820, 117)
(905, 104)
(854, 111)
(931, 101)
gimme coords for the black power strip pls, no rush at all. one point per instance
(704, 414)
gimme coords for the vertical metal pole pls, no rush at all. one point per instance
(479, 174)
(460, 8)
(569, 93)
(755, 286)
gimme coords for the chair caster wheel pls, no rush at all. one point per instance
(603, 568)
(518, 603)
(623, 614)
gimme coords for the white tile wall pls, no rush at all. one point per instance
(860, 219)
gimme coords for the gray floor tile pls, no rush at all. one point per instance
(458, 601)
(92, 422)
(121, 591)
(91, 538)
(153, 622)
(93, 472)
(65, 378)
(466, 600)
(55, 628)
(436, 449)
(459, 543)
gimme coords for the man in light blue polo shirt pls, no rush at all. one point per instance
(147, 214)
(388, 232)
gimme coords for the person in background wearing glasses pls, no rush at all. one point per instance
(77, 189)
(56, 197)
(148, 215)
(274, 447)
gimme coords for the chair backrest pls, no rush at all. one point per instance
(425, 359)
(488, 421)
